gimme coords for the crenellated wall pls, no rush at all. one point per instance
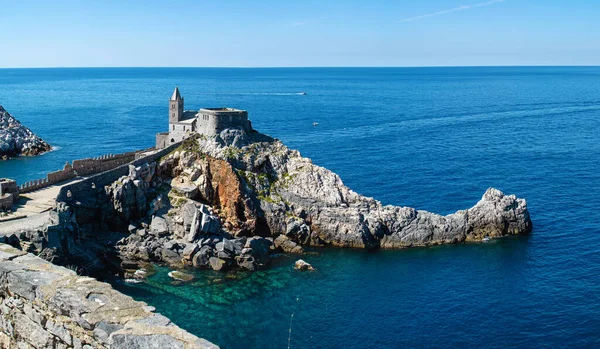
(102, 163)
(82, 167)
(82, 188)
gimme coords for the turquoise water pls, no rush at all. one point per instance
(432, 138)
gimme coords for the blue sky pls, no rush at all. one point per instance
(243, 33)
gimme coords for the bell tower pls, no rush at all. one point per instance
(175, 107)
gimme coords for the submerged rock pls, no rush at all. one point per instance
(16, 139)
(181, 276)
(302, 265)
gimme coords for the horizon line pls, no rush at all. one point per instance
(304, 67)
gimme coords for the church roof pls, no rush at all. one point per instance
(176, 96)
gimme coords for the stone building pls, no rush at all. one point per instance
(206, 121)
(9, 194)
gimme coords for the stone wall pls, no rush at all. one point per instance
(82, 188)
(162, 140)
(46, 306)
(212, 121)
(51, 178)
(82, 167)
(6, 202)
(102, 163)
(9, 194)
(8, 186)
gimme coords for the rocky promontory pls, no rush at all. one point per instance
(16, 139)
(236, 199)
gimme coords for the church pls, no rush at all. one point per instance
(207, 121)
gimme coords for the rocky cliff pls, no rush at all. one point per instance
(235, 199)
(47, 306)
(16, 139)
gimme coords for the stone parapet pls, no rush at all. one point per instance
(46, 306)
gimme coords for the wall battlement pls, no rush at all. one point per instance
(81, 167)
(82, 188)
(102, 163)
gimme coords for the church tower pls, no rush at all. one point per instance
(175, 107)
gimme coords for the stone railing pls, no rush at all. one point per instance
(47, 306)
(81, 167)
(51, 178)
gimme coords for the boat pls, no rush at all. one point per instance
(302, 93)
(486, 239)
(315, 124)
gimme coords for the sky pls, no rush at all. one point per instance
(290, 33)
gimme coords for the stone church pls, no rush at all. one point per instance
(206, 121)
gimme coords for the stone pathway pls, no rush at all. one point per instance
(33, 208)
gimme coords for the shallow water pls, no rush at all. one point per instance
(431, 138)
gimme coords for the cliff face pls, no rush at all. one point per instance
(16, 139)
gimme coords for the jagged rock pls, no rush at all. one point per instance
(217, 263)
(265, 189)
(302, 265)
(128, 200)
(189, 251)
(202, 257)
(297, 230)
(129, 264)
(202, 221)
(246, 261)
(159, 226)
(225, 246)
(169, 256)
(16, 139)
(259, 248)
(286, 245)
(143, 172)
(189, 191)
(286, 184)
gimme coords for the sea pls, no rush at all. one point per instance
(430, 138)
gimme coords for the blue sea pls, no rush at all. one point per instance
(431, 138)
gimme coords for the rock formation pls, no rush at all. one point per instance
(233, 200)
(16, 139)
(302, 265)
(278, 192)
